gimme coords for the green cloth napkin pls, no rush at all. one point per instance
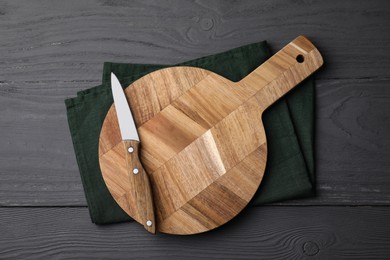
(288, 125)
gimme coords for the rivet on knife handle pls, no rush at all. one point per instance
(137, 176)
(141, 184)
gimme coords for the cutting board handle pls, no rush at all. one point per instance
(203, 141)
(283, 71)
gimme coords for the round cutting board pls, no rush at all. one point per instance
(203, 143)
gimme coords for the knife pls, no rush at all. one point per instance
(135, 171)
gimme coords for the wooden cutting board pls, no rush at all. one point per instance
(203, 143)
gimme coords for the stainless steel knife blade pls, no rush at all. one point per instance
(125, 117)
(137, 176)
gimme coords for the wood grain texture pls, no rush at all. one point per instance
(198, 128)
(69, 41)
(50, 50)
(258, 233)
(140, 183)
(351, 116)
(352, 142)
(36, 154)
(347, 111)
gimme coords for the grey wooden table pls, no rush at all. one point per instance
(51, 49)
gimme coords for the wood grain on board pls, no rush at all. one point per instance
(45, 59)
(37, 161)
(203, 142)
(352, 144)
(51, 49)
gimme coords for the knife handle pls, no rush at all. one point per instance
(141, 184)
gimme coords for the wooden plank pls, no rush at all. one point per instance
(260, 233)
(57, 40)
(50, 50)
(36, 151)
(38, 167)
(352, 142)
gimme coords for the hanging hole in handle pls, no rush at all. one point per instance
(300, 58)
